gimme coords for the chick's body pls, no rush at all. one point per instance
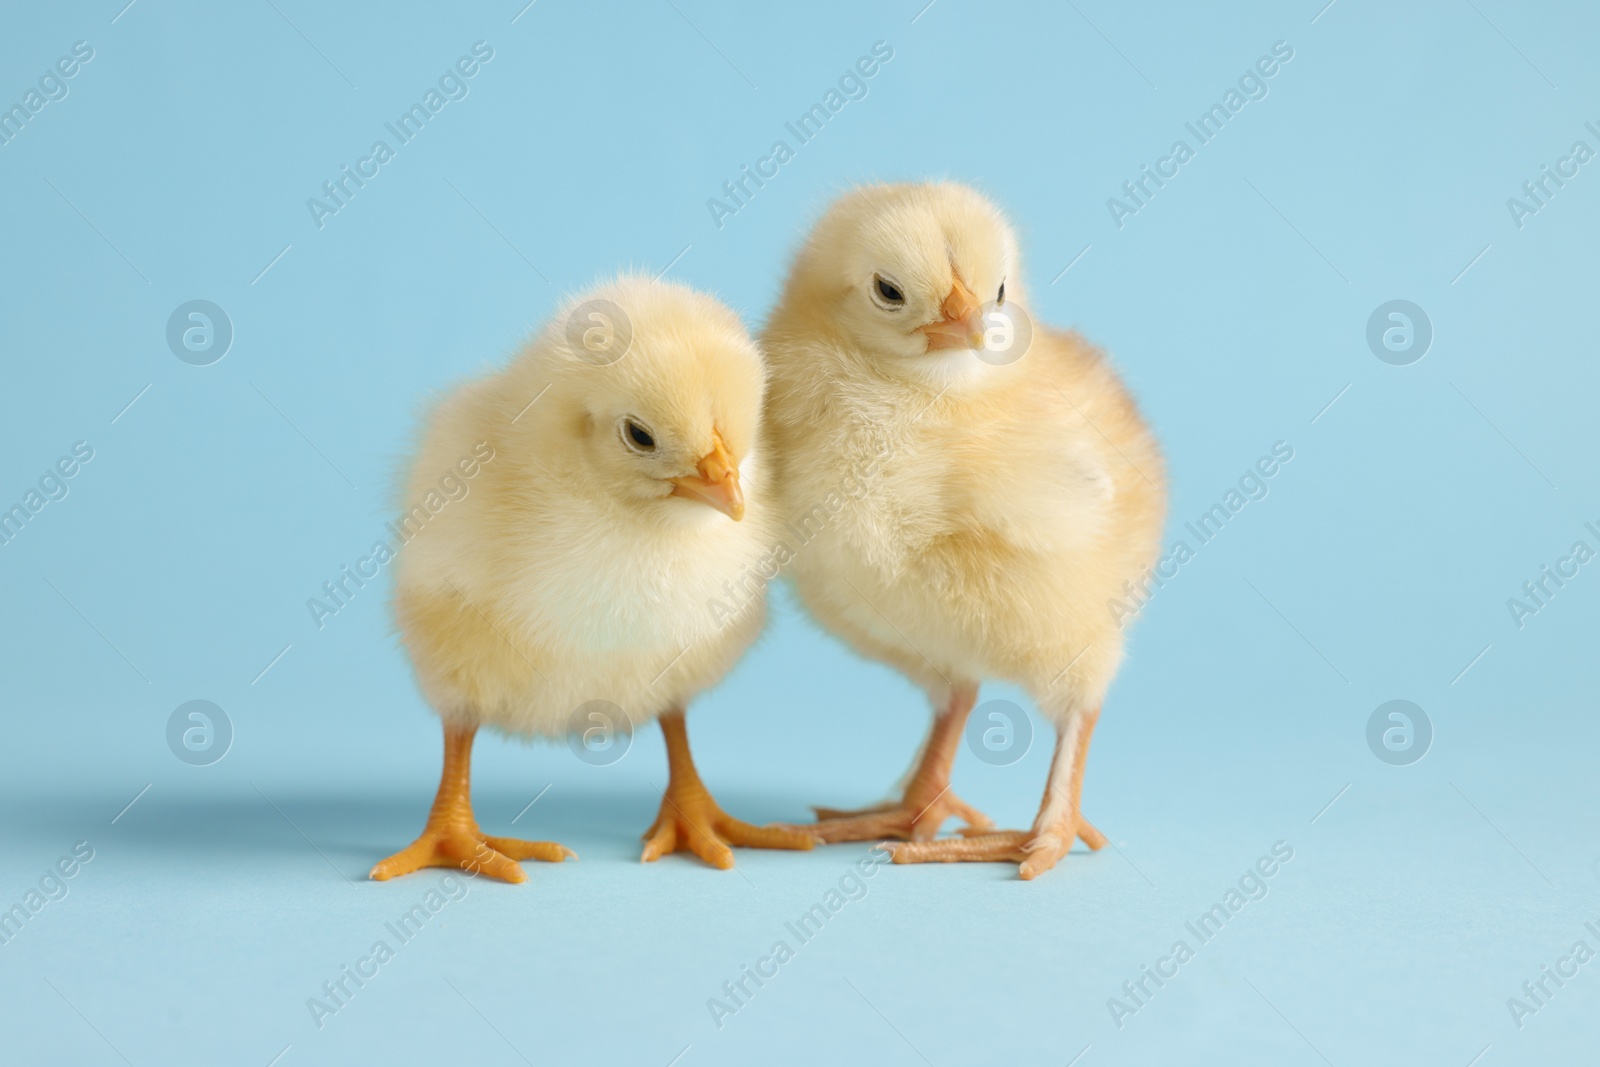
(538, 592)
(994, 507)
(561, 555)
(994, 528)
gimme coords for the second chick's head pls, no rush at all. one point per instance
(908, 272)
(656, 399)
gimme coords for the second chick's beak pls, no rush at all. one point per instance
(717, 482)
(962, 325)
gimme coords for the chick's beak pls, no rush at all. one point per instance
(717, 482)
(962, 325)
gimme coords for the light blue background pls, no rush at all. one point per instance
(1382, 559)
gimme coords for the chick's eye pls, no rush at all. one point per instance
(639, 437)
(1001, 298)
(888, 292)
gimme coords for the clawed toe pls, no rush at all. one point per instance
(470, 851)
(1033, 852)
(826, 814)
(698, 825)
(980, 848)
(518, 849)
(911, 819)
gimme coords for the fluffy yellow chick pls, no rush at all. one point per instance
(970, 500)
(589, 558)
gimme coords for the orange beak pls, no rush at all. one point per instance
(717, 483)
(962, 325)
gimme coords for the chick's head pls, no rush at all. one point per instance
(665, 419)
(910, 270)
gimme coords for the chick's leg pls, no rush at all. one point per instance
(1059, 821)
(691, 820)
(927, 802)
(451, 837)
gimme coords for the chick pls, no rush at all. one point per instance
(973, 500)
(613, 461)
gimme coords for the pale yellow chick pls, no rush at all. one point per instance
(616, 490)
(973, 500)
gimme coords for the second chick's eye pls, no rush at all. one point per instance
(887, 291)
(639, 438)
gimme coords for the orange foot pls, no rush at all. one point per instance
(915, 818)
(451, 837)
(1034, 851)
(690, 819)
(471, 850)
(695, 823)
(928, 801)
